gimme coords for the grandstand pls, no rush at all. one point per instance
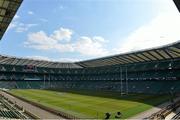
(9, 110)
(153, 71)
(147, 71)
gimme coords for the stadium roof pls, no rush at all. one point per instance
(8, 9)
(168, 52)
(39, 63)
(171, 51)
(177, 3)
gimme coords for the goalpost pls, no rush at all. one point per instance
(121, 81)
(44, 81)
(126, 81)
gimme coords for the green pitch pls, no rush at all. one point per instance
(93, 104)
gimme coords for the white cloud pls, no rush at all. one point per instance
(62, 34)
(60, 47)
(21, 27)
(162, 30)
(41, 41)
(99, 39)
(54, 42)
(38, 58)
(30, 12)
(68, 60)
(91, 46)
(54, 60)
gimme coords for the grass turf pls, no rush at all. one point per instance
(92, 104)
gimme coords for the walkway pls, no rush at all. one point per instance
(42, 114)
(151, 111)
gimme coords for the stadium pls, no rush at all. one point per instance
(128, 83)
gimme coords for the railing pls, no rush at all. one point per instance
(12, 112)
(165, 111)
(176, 117)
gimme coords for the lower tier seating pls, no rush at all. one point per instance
(132, 86)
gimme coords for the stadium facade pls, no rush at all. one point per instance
(151, 71)
(155, 70)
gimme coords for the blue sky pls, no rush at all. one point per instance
(72, 30)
